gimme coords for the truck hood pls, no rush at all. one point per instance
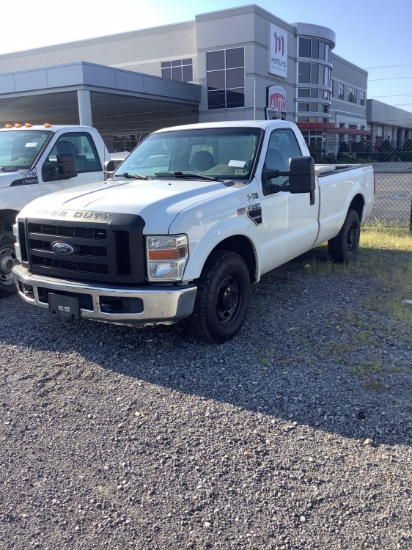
(158, 202)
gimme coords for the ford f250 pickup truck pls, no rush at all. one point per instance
(188, 222)
(34, 161)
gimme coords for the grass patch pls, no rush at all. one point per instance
(366, 368)
(385, 256)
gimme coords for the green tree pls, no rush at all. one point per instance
(386, 152)
(406, 151)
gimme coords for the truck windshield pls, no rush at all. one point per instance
(20, 148)
(216, 153)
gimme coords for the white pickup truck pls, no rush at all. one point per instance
(34, 161)
(190, 220)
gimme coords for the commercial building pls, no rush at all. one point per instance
(241, 63)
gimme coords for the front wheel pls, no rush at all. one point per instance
(344, 247)
(222, 298)
(7, 261)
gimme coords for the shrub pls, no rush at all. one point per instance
(406, 151)
(386, 152)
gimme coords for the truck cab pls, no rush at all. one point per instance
(36, 160)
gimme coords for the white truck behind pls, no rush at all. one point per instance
(190, 220)
(34, 161)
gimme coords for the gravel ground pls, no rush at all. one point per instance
(297, 434)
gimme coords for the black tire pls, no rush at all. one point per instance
(344, 247)
(222, 300)
(7, 261)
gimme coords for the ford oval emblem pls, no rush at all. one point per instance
(63, 249)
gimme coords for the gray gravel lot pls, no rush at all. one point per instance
(297, 434)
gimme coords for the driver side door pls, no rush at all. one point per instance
(290, 220)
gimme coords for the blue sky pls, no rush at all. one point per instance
(375, 35)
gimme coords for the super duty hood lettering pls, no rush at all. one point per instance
(76, 214)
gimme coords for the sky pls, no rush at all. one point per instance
(375, 35)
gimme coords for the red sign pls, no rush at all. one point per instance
(277, 98)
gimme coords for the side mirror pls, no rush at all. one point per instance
(66, 166)
(302, 175)
(62, 168)
(109, 167)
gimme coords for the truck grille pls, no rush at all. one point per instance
(91, 249)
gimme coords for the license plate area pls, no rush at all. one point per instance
(64, 306)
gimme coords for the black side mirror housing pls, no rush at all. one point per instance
(63, 168)
(302, 175)
(66, 166)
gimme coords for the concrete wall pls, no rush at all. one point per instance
(141, 51)
(350, 75)
(248, 26)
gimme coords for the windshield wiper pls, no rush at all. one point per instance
(186, 175)
(131, 176)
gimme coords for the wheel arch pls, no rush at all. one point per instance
(7, 219)
(241, 245)
(358, 204)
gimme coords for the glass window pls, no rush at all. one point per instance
(314, 93)
(341, 91)
(314, 48)
(352, 94)
(235, 78)
(314, 74)
(362, 98)
(19, 150)
(81, 147)
(234, 58)
(304, 73)
(177, 73)
(224, 153)
(226, 78)
(216, 80)
(281, 147)
(327, 76)
(322, 51)
(178, 69)
(187, 71)
(235, 98)
(217, 99)
(215, 60)
(304, 47)
(303, 92)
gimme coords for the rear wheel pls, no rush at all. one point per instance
(222, 298)
(344, 247)
(7, 261)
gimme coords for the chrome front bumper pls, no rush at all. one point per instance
(119, 305)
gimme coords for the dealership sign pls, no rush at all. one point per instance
(276, 103)
(276, 98)
(278, 51)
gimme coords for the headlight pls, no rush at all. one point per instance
(166, 257)
(17, 245)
